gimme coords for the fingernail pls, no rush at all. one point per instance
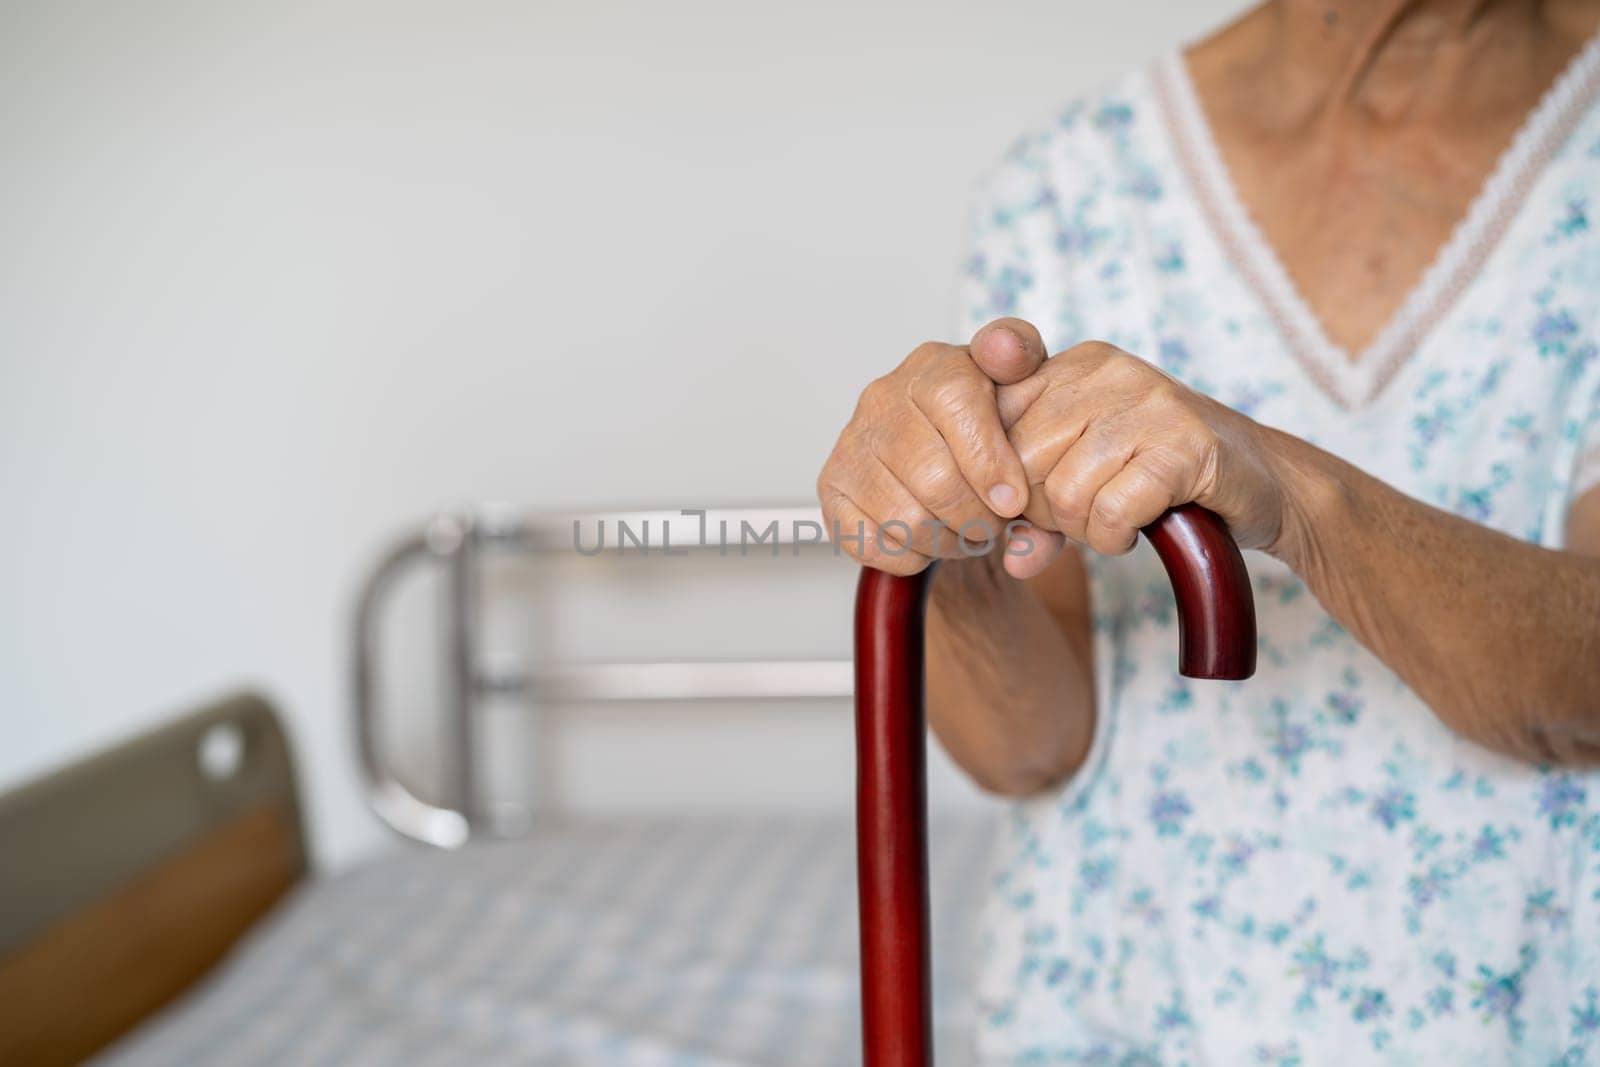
(1005, 499)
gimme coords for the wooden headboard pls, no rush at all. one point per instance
(124, 878)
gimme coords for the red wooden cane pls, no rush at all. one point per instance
(1216, 639)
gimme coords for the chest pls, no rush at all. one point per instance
(1473, 413)
(1357, 214)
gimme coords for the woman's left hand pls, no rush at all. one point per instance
(1109, 443)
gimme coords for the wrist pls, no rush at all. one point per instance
(968, 587)
(1313, 497)
(965, 577)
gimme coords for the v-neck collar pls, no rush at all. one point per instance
(1354, 382)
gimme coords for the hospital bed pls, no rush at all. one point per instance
(587, 942)
(588, 939)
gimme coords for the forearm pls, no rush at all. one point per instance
(1010, 686)
(1501, 638)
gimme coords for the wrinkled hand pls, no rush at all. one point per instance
(925, 457)
(1109, 443)
(962, 447)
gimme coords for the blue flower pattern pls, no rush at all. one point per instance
(1306, 867)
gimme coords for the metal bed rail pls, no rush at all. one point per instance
(455, 544)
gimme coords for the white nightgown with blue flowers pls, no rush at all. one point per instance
(1306, 867)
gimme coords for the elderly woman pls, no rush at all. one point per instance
(1342, 287)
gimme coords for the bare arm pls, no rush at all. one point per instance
(1501, 638)
(1010, 671)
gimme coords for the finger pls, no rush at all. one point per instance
(1046, 432)
(897, 509)
(1008, 350)
(934, 479)
(917, 496)
(1072, 485)
(919, 483)
(1135, 497)
(1030, 550)
(859, 536)
(1067, 370)
(1077, 404)
(958, 403)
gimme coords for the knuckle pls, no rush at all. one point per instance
(892, 537)
(1109, 511)
(940, 487)
(1098, 351)
(928, 352)
(841, 461)
(1109, 543)
(909, 563)
(950, 392)
(1066, 503)
(1162, 391)
(1113, 375)
(865, 553)
(1134, 373)
(880, 436)
(842, 536)
(830, 478)
(888, 549)
(875, 554)
(873, 395)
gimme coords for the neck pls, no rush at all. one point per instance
(1384, 53)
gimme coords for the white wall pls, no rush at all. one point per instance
(276, 278)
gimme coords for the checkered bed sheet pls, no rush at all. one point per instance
(682, 942)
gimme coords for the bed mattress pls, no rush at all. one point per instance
(686, 942)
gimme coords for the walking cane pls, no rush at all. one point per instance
(1216, 639)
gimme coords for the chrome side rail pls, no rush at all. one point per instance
(445, 538)
(456, 542)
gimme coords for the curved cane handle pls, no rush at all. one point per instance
(1216, 611)
(1216, 639)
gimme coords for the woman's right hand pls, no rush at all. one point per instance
(925, 455)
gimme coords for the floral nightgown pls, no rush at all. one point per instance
(1306, 867)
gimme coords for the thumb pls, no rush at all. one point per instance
(1007, 350)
